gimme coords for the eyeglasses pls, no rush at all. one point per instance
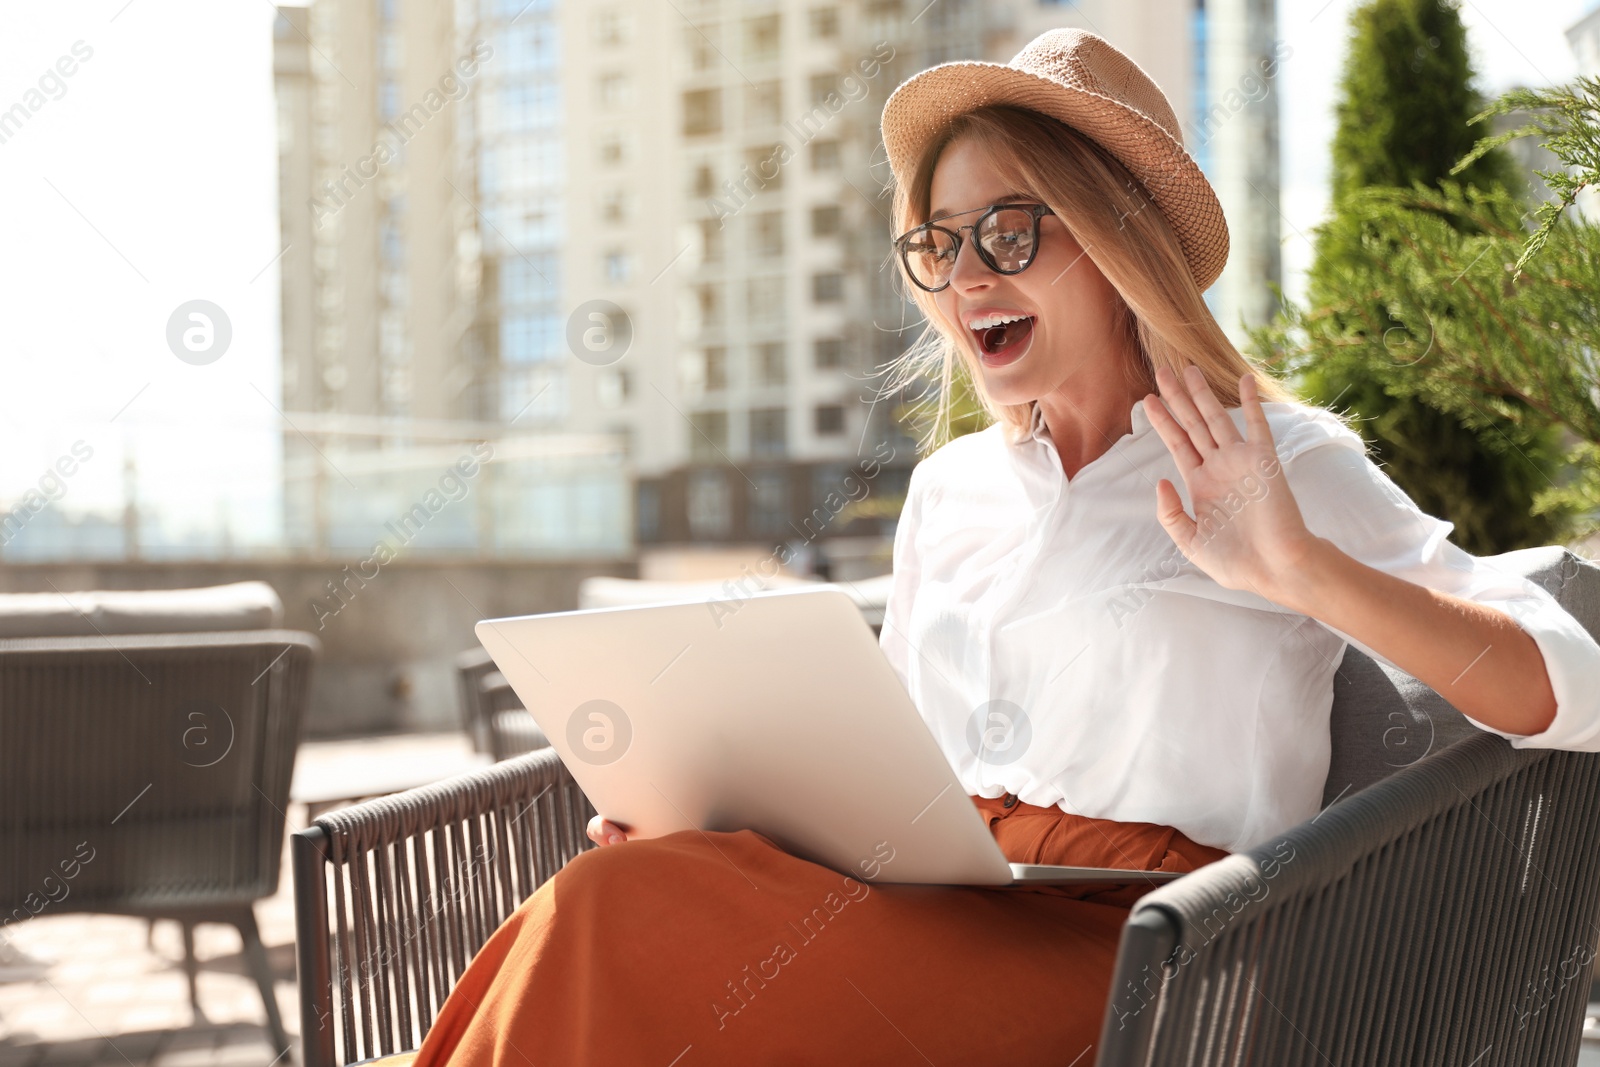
(1006, 236)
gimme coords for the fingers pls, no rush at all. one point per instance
(1174, 436)
(1169, 510)
(604, 832)
(1218, 422)
(1197, 408)
(1255, 416)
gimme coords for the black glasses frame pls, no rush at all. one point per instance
(903, 242)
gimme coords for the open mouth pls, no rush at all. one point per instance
(1006, 339)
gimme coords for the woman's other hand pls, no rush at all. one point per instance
(604, 832)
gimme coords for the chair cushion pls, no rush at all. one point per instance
(252, 605)
(399, 1059)
(1384, 719)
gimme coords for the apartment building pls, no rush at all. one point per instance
(661, 226)
(397, 242)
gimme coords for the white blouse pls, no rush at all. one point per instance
(1061, 648)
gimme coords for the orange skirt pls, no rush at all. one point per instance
(720, 948)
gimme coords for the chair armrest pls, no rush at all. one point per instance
(1438, 913)
(394, 897)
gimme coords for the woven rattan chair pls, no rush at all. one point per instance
(512, 731)
(1441, 909)
(471, 666)
(148, 775)
(492, 715)
(393, 897)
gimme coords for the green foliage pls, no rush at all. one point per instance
(1405, 94)
(1406, 99)
(1568, 118)
(1432, 317)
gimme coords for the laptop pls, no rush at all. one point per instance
(774, 711)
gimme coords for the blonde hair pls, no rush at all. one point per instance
(1101, 203)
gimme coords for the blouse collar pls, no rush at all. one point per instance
(1138, 419)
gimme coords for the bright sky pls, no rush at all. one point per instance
(146, 179)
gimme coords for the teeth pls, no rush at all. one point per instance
(990, 321)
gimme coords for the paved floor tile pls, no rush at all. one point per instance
(108, 991)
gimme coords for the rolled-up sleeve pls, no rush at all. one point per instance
(1345, 497)
(892, 638)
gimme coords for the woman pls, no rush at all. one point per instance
(1119, 614)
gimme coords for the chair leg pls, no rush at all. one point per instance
(191, 966)
(255, 955)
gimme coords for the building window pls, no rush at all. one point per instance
(827, 287)
(827, 352)
(648, 511)
(761, 37)
(531, 395)
(763, 104)
(711, 240)
(708, 435)
(823, 86)
(829, 420)
(824, 155)
(768, 431)
(705, 180)
(828, 497)
(764, 300)
(824, 23)
(701, 44)
(616, 267)
(769, 501)
(391, 54)
(530, 338)
(395, 287)
(708, 298)
(614, 205)
(614, 91)
(710, 504)
(771, 363)
(766, 165)
(613, 388)
(611, 152)
(766, 233)
(530, 279)
(825, 220)
(611, 27)
(702, 112)
(716, 367)
(388, 99)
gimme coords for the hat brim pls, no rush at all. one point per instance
(926, 102)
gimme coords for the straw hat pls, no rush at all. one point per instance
(1078, 78)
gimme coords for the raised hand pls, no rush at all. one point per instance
(1247, 532)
